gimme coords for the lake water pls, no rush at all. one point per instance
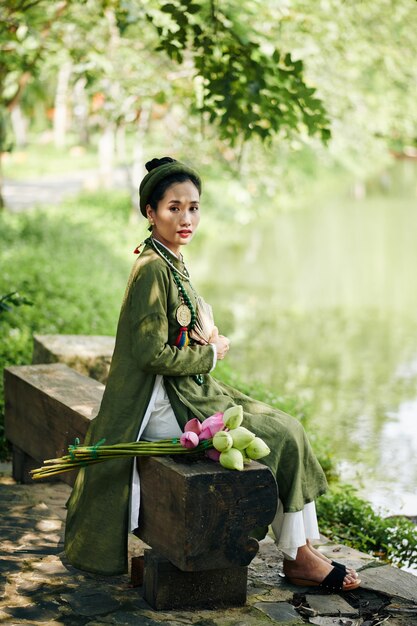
(321, 304)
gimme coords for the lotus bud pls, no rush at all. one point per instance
(241, 437)
(213, 455)
(222, 441)
(205, 434)
(246, 459)
(193, 426)
(257, 449)
(214, 423)
(189, 440)
(232, 459)
(233, 417)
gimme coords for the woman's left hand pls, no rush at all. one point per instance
(222, 344)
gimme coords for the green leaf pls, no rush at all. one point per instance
(193, 8)
(169, 8)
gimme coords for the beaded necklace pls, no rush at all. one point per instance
(185, 275)
(186, 314)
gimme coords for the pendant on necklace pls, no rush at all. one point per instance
(183, 315)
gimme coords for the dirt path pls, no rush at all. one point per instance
(22, 195)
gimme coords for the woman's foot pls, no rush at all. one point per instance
(311, 568)
(353, 573)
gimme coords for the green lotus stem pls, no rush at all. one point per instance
(81, 456)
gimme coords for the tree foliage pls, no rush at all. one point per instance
(241, 88)
(24, 37)
(221, 74)
(237, 85)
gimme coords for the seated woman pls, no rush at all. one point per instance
(160, 378)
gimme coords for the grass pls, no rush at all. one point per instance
(67, 262)
(71, 262)
(44, 159)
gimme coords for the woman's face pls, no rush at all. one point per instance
(177, 216)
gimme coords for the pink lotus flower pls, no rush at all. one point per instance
(189, 440)
(205, 434)
(211, 426)
(213, 454)
(193, 426)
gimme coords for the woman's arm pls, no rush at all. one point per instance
(149, 329)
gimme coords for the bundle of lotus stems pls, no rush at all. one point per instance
(81, 456)
(220, 436)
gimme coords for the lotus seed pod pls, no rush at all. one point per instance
(257, 449)
(233, 417)
(222, 441)
(241, 437)
(232, 459)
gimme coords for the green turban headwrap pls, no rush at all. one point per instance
(157, 174)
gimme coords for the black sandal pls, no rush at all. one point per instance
(332, 582)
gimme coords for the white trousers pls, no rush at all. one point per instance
(291, 530)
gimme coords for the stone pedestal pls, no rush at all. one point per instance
(167, 588)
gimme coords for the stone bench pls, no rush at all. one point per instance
(197, 516)
(87, 354)
(46, 408)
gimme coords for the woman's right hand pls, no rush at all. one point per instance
(221, 342)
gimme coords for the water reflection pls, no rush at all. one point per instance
(393, 482)
(320, 303)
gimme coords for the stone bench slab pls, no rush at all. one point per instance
(87, 354)
(46, 408)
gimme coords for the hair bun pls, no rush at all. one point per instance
(151, 165)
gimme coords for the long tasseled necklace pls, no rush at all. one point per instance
(185, 314)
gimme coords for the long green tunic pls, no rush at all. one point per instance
(98, 509)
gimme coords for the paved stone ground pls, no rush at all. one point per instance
(38, 586)
(23, 195)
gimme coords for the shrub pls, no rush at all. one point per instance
(348, 519)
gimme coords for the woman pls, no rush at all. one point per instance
(155, 386)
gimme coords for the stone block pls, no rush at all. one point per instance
(87, 354)
(281, 613)
(167, 588)
(331, 604)
(46, 408)
(137, 571)
(391, 581)
(210, 511)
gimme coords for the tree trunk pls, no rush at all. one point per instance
(80, 111)
(2, 204)
(106, 149)
(138, 169)
(61, 104)
(19, 125)
(121, 143)
(2, 150)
